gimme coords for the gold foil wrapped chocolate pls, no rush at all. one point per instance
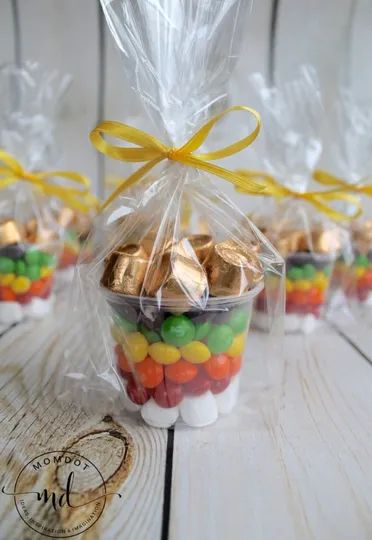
(233, 269)
(125, 270)
(10, 232)
(326, 241)
(196, 245)
(362, 236)
(35, 233)
(187, 278)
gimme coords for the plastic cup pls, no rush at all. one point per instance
(180, 363)
(26, 281)
(308, 278)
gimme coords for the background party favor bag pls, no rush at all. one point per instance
(170, 289)
(297, 221)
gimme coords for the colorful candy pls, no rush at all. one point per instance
(177, 330)
(181, 372)
(220, 338)
(150, 374)
(195, 352)
(136, 346)
(217, 367)
(164, 353)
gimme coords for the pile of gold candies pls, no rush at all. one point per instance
(178, 360)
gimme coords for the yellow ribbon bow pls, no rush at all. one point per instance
(152, 151)
(327, 179)
(81, 199)
(318, 199)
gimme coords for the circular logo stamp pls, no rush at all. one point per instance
(60, 494)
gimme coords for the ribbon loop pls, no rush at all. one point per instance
(327, 179)
(80, 199)
(319, 199)
(152, 151)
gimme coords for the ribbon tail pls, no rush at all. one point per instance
(131, 180)
(334, 214)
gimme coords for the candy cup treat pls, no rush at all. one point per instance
(299, 222)
(176, 265)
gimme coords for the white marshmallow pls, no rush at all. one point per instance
(260, 320)
(368, 300)
(308, 324)
(292, 323)
(199, 411)
(10, 313)
(159, 417)
(227, 399)
(38, 308)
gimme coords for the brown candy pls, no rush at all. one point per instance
(233, 269)
(10, 232)
(125, 270)
(187, 278)
(199, 245)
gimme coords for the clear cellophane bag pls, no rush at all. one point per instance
(30, 97)
(309, 241)
(165, 303)
(348, 156)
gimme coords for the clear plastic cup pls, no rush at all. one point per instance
(308, 278)
(179, 363)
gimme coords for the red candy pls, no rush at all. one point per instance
(218, 366)
(149, 372)
(24, 298)
(122, 359)
(235, 365)
(7, 295)
(168, 394)
(137, 393)
(181, 372)
(198, 386)
(219, 386)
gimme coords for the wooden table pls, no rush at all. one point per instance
(293, 462)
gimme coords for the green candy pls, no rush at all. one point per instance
(361, 261)
(125, 325)
(177, 330)
(150, 335)
(20, 268)
(46, 259)
(32, 257)
(220, 338)
(238, 320)
(6, 265)
(295, 273)
(33, 272)
(202, 330)
(309, 271)
(327, 271)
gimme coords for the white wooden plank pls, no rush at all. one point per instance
(63, 36)
(6, 33)
(303, 473)
(33, 421)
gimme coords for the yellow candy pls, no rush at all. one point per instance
(163, 353)
(321, 281)
(359, 272)
(21, 285)
(195, 352)
(237, 346)
(303, 285)
(289, 287)
(136, 346)
(118, 334)
(7, 279)
(46, 271)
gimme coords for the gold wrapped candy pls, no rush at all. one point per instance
(233, 269)
(10, 232)
(126, 269)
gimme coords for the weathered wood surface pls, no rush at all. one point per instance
(294, 460)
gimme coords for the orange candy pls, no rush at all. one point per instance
(37, 287)
(217, 367)
(149, 372)
(316, 297)
(122, 359)
(235, 365)
(7, 295)
(181, 372)
(299, 298)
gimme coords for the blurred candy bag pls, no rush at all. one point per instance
(349, 154)
(296, 221)
(29, 234)
(166, 300)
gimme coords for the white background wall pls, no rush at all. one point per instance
(334, 35)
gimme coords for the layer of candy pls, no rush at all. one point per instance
(182, 356)
(25, 274)
(356, 280)
(71, 249)
(306, 286)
